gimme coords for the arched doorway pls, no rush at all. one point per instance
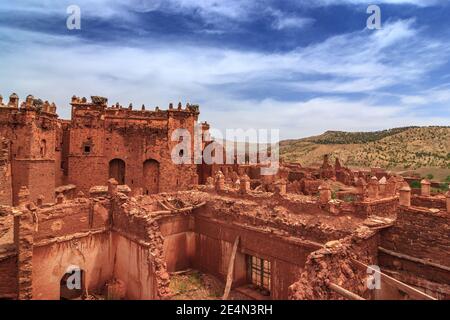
(117, 170)
(72, 285)
(151, 176)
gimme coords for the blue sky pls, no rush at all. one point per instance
(303, 67)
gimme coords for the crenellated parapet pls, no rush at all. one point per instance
(13, 101)
(42, 113)
(98, 106)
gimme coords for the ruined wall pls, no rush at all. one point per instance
(93, 254)
(382, 207)
(214, 242)
(288, 214)
(420, 233)
(5, 173)
(140, 248)
(37, 175)
(23, 241)
(71, 233)
(310, 186)
(333, 264)
(8, 255)
(8, 278)
(429, 202)
(78, 233)
(132, 264)
(424, 234)
(71, 218)
(179, 241)
(204, 241)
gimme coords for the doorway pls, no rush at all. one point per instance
(151, 177)
(117, 170)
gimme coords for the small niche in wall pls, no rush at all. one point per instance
(87, 148)
(43, 148)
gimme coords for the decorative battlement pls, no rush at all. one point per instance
(30, 104)
(13, 101)
(100, 104)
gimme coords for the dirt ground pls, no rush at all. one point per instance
(194, 285)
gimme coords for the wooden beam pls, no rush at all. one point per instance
(230, 269)
(414, 259)
(176, 210)
(164, 206)
(413, 292)
(180, 272)
(191, 208)
(344, 292)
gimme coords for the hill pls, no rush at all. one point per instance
(400, 148)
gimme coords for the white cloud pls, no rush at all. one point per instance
(439, 95)
(314, 116)
(419, 3)
(56, 67)
(282, 20)
(97, 8)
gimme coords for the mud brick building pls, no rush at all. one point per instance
(132, 146)
(98, 143)
(32, 131)
(101, 193)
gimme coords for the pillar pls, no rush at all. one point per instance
(112, 186)
(390, 186)
(324, 193)
(220, 181)
(13, 101)
(425, 188)
(405, 196)
(361, 187)
(29, 101)
(244, 184)
(382, 186)
(373, 189)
